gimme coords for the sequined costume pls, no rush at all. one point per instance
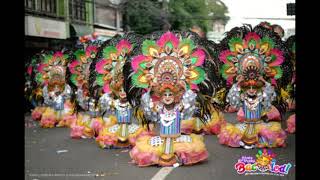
(124, 132)
(88, 121)
(107, 71)
(38, 79)
(254, 62)
(56, 92)
(166, 74)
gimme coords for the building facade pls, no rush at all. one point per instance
(218, 29)
(53, 24)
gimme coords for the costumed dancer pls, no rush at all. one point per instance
(290, 90)
(38, 78)
(31, 102)
(88, 121)
(56, 92)
(273, 114)
(165, 74)
(253, 62)
(119, 131)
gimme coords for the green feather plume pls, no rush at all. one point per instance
(146, 45)
(267, 40)
(79, 53)
(223, 70)
(47, 58)
(279, 72)
(233, 42)
(33, 61)
(108, 50)
(193, 60)
(39, 78)
(143, 65)
(252, 41)
(65, 56)
(138, 83)
(187, 86)
(99, 79)
(201, 75)
(188, 42)
(73, 79)
(169, 44)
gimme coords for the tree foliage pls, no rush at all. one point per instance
(145, 16)
(141, 16)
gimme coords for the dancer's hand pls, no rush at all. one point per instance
(240, 78)
(262, 79)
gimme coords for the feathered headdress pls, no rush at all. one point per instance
(108, 66)
(254, 53)
(170, 61)
(41, 69)
(91, 51)
(51, 67)
(79, 67)
(251, 55)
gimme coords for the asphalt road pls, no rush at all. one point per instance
(85, 160)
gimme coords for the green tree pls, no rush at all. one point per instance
(146, 16)
(186, 13)
(218, 11)
(141, 16)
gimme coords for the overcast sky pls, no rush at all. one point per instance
(241, 9)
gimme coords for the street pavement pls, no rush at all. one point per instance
(51, 154)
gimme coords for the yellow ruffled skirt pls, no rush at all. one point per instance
(121, 135)
(188, 150)
(269, 134)
(64, 118)
(87, 127)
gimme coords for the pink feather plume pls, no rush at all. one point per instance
(230, 80)
(91, 49)
(73, 65)
(57, 54)
(279, 57)
(273, 82)
(251, 35)
(100, 66)
(124, 44)
(41, 67)
(194, 87)
(224, 54)
(106, 88)
(166, 37)
(136, 61)
(199, 53)
(29, 70)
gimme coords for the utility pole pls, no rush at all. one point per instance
(67, 17)
(118, 19)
